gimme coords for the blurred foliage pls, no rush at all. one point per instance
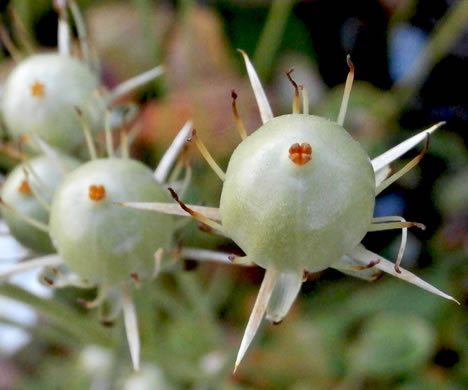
(342, 333)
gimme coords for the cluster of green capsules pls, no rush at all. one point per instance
(298, 194)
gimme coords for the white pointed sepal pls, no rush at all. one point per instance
(262, 101)
(131, 328)
(283, 296)
(391, 155)
(172, 153)
(364, 256)
(174, 209)
(44, 261)
(355, 268)
(261, 303)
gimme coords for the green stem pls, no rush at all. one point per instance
(271, 36)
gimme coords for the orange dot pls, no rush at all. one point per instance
(300, 154)
(38, 89)
(24, 188)
(96, 192)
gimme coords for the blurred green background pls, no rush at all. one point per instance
(411, 59)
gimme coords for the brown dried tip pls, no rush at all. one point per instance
(350, 63)
(38, 89)
(96, 192)
(288, 74)
(135, 277)
(24, 188)
(300, 154)
(193, 134)
(233, 95)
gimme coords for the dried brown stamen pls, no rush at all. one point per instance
(38, 89)
(300, 154)
(96, 192)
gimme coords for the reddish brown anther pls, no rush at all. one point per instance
(38, 89)
(24, 188)
(96, 192)
(300, 154)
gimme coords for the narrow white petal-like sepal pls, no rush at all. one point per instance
(174, 209)
(45, 261)
(352, 267)
(284, 294)
(205, 255)
(263, 297)
(135, 82)
(365, 257)
(397, 151)
(172, 153)
(131, 328)
(262, 101)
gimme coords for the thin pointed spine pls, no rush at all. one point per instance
(305, 100)
(263, 297)
(134, 83)
(124, 145)
(63, 32)
(365, 256)
(15, 53)
(167, 161)
(397, 151)
(108, 135)
(347, 91)
(81, 30)
(205, 255)
(40, 262)
(264, 107)
(296, 102)
(415, 161)
(87, 134)
(158, 256)
(404, 238)
(383, 226)
(174, 209)
(195, 214)
(207, 156)
(131, 328)
(239, 122)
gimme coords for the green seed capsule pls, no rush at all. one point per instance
(41, 96)
(26, 192)
(299, 193)
(102, 242)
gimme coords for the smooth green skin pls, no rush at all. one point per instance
(46, 178)
(102, 241)
(68, 84)
(293, 218)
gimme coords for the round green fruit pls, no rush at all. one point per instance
(299, 193)
(103, 242)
